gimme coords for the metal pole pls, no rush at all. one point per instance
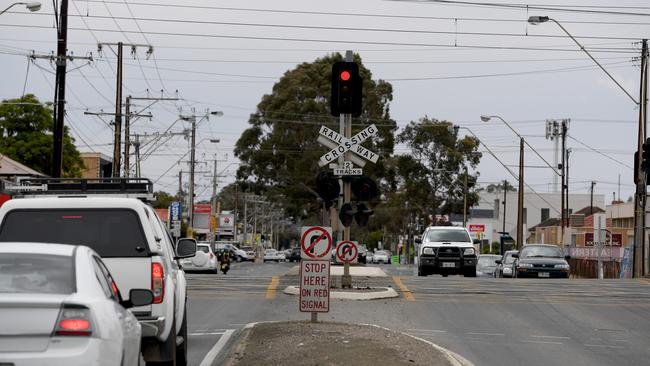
(465, 200)
(591, 198)
(127, 131)
(245, 221)
(236, 212)
(505, 198)
(192, 163)
(59, 93)
(520, 203)
(118, 114)
(564, 185)
(137, 155)
(639, 179)
(214, 200)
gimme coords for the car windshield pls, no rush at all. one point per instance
(540, 251)
(485, 261)
(203, 248)
(509, 258)
(448, 236)
(382, 252)
(35, 273)
(110, 232)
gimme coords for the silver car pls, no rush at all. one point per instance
(61, 306)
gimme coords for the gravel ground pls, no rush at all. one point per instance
(325, 344)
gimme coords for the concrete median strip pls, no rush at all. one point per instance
(334, 344)
(355, 271)
(379, 293)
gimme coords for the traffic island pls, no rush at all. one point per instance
(355, 293)
(326, 343)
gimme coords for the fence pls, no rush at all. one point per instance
(588, 268)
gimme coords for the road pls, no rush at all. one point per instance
(488, 321)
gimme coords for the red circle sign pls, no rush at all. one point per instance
(316, 235)
(347, 251)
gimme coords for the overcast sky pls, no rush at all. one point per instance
(446, 61)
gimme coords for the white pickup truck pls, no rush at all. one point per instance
(133, 243)
(446, 250)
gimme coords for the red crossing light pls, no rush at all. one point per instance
(345, 75)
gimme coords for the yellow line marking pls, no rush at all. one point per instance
(405, 290)
(273, 286)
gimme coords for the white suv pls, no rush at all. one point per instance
(133, 243)
(446, 250)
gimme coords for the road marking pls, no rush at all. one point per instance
(487, 334)
(273, 286)
(604, 346)
(405, 290)
(542, 342)
(549, 337)
(214, 352)
(205, 333)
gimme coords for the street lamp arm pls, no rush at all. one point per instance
(529, 145)
(594, 60)
(9, 7)
(491, 153)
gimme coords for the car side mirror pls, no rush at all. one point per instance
(185, 248)
(418, 241)
(476, 241)
(498, 261)
(138, 297)
(515, 255)
(567, 257)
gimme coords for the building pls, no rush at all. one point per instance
(12, 171)
(97, 165)
(538, 208)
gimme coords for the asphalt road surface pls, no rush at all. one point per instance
(488, 321)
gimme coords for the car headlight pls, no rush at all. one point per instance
(525, 265)
(469, 251)
(427, 251)
(562, 266)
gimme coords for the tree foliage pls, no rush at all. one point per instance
(499, 187)
(279, 151)
(432, 176)
(26, 127)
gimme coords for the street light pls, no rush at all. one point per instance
(31, 6)
(520, 199)
(535, 20)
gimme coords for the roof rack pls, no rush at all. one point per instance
(141, 188)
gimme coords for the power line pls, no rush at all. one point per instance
(601, 153)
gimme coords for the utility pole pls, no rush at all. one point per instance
(118, 114)
(465, 199)
(505, 197)
(245, 220)
(566, 179)
(520, 203)
(236, 211)
(192, 163)
(127, 131)
(639, 253)
(59, 92)
(136, 144)
(591, 198)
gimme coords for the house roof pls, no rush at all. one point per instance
(587, 211)
(10, 167)
(546, 223)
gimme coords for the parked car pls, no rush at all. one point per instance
(126, 233)
(271, 255)
(61, 306)
(236, 254)
(250, 253)
(282, 256)
(486, 265)
(362, 256)
(295, 255)
(542, 261)
(381, 256)
(506, 265)
(204, 260)
(369, 256)
(446, 250)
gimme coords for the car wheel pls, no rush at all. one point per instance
(170, 346)
(421, 272)
(181, 350)
(239, 259)
(470, 272)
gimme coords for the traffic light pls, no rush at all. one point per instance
(346, 89)
(364, 188)
(327, 186)
(363, 214)
(645, 162)
(346, 215)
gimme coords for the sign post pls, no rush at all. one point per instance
(315, 249)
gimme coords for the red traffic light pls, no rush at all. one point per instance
(345, 75)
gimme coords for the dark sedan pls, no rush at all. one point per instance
(295, 255)
(542, 261)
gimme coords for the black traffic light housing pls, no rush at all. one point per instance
(645, 160)
(327, 186)
(346, 214)
(347, 87)
(363, 189)
(363, 214)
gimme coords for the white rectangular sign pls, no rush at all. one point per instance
(353, 144)
(344, 171)
(315, 286)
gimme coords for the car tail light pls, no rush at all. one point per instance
(74, 321)
(157, 282)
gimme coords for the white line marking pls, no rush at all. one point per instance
(214, 352)
(427, 330)
(205, 333)
(604, 346)
(211, 330)
(486, 334)
(549, 337)
(542, 342)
